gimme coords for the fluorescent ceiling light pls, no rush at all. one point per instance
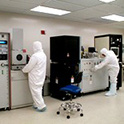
(106, 1)
(50, 10)
(114, 18)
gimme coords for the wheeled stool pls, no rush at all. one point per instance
(71, 107)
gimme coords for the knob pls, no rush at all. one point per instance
(2, 64)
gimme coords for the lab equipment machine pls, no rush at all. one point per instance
(111, 42)
(21, 95)
(5, 76)
(93, 81)
(65, 59)
(65, 49)
(19, 55)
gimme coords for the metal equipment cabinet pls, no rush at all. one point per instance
(5, 79)
(65, 59)
(21, 95)
(93, 81)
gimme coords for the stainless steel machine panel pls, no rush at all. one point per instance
(5, 84)
(18, 57)
(21, 95)
(17, 38)
(93, 81)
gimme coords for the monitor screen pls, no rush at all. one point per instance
(115, 50)
(3, 42)
(91, 49)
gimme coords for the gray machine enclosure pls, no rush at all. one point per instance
(93, 81)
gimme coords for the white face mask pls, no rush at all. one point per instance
(102, 55)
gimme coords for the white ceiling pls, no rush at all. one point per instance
(89, 11)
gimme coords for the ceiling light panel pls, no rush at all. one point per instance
(48, 10)
(114, 18)
(106, 1)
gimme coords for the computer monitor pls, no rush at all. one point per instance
(115, 50)
(91, 49)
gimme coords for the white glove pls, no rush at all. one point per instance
(93, 69)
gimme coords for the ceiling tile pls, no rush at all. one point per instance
(30, 1)
(63, 5)
(11, 9)
(86, 13)
(109, 8)
(17, 5)
(119, 3)
(100, 20)
(86, 3)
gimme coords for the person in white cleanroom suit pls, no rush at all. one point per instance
(36, 69)
(111, 61)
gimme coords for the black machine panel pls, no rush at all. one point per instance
(65, 49)
(65, 58)
(61, 74)
(3, 57)
(116, 45)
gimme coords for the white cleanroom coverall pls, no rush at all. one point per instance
(112, 64)
(36, 69)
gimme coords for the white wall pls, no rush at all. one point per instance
(32, 25)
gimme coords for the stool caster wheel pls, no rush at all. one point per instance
(64, 109)
(81, 114)
(75, 96)
(78, 110)
(68, 117)
(63, 98)
(58, 113)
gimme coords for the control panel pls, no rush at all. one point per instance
(92, 81)
(4, 70)
(87, 64)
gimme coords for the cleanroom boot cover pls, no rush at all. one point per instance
(112, 90)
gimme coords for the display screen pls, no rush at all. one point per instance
(3, 56)
(3, 42)
(115, 50)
